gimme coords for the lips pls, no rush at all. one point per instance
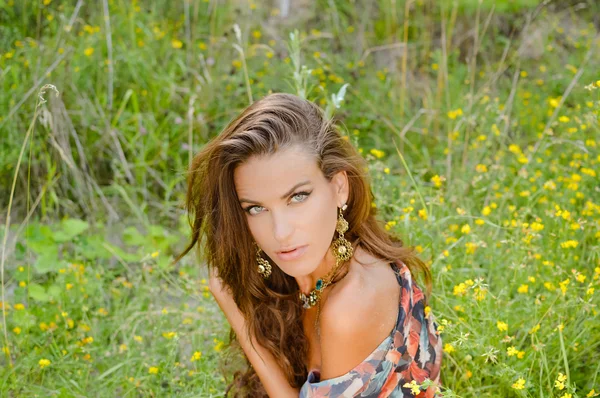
(292, 254)
(288, 249)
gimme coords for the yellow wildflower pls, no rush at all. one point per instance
(437, 180)
(460, 289)
(455, 113)
(534, 329)
(481, 168)
(560, 381)
(479, 294)
(564, 119)
(219, 345)
(377, 153)
(563, 285)
(196, 356)
(512, 351)
(569, 244)
(523, 289)
(536, 226)
(414, 387)
(470, 246)
(519, 384)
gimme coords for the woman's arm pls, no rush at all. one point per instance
(263, 362)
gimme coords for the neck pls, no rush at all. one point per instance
(307, 283)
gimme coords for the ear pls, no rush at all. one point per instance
(341, 187)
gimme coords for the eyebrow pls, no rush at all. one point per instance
(288, 193)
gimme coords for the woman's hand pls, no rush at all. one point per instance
(268, 370)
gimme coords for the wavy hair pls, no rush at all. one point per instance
(271, 307)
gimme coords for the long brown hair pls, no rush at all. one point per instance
(271, 308)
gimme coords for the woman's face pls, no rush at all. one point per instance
(289, 204)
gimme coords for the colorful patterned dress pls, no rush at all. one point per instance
(412, 351)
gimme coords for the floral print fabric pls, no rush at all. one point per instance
(412, 351)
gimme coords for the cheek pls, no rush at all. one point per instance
(323, 219)
(258, 230)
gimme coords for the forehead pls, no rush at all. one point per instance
(270, 176)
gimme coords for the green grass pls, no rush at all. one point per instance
(483, 146)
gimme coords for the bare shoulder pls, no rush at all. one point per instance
(356, 317)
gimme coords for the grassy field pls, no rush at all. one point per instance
(478, 119)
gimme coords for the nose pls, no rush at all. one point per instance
(283, 227)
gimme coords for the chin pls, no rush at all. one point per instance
(301, 270)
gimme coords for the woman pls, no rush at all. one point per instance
(319, 296)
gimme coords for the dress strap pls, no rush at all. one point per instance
(397, 271)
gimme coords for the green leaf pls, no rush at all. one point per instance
(47, 261)
(92, 248)
(157, 231)
(70, 228)
(37, 232)
(23, 318)
(42, 246)
(38, 293)
(54, 291)
(132, 237)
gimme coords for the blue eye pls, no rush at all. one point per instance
(305, 195)
(250, 208)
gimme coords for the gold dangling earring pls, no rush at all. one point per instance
(342, 249)
(264, 268)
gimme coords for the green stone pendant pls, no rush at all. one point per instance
(319, 285)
